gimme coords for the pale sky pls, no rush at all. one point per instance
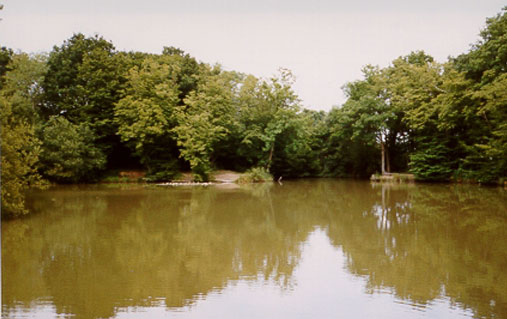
(324, 43)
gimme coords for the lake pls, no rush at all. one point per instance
(316, 248)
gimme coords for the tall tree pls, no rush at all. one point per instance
(411, 83)
(84, 80)
(391, 104)
(206, 120)
(265, 112)
(146, 115)
(369, 110)
(474, 105)
(20, 150)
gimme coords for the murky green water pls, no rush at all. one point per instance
(304, 249)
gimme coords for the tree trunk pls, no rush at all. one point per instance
(388, 161)
(268, 165)
(383, 156)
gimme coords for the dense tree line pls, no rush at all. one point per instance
(86, 108)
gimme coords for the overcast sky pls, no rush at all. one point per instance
(324, 42)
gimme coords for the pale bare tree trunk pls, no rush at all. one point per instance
(388, 161)
(383, 155)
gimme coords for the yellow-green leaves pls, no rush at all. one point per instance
(19, 159)
(146, 113)
(208, 117)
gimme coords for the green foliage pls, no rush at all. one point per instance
(255, 175)
(64, 84)
(69, 153)
(22, 85)
(19, 99)
(488, 57)
(361, 127)
(346, 153)
(5, 59)
(84, 79)
(189, 71)
(267, 109)
(298, 147)
(441, 121)
(206, 121)
(19, 157)
(99, 82)
(146, 115)
(146, 111)
(95, 107)
(432, 161)
(472, 107)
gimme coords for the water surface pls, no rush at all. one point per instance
(305, 249)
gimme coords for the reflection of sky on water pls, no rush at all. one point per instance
(322, 289)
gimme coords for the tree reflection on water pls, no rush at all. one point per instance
(92, 250)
